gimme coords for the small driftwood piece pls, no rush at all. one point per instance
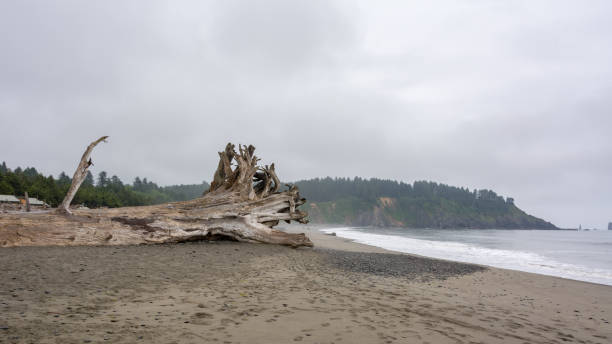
(27, 201)
(79, 176)
(244, 203)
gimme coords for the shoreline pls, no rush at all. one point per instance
(338, 292)
(337, 242)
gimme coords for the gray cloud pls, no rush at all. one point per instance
(512, 96)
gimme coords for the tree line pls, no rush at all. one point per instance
(110, 191)
(370, 190)
(332, 200)
(103, 191)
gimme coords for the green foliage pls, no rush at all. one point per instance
(5, 188)
(63, 179)
(3, 168)
(102, 179)
(89, 179)
(107, 192)
(356, 201)
(423, 204)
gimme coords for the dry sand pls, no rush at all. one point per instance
(339, 292)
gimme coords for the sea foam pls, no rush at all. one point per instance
(468, 253)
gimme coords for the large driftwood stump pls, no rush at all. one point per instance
(243, 203)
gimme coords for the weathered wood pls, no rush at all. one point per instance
(27, 201)
(233, 208)
(79, 176)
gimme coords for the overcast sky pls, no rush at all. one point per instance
(514, 96)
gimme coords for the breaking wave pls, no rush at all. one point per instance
(471, 253)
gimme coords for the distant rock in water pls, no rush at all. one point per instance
(610, 226)
(385, 203)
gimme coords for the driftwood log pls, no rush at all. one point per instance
(79, 176)
(244, 203)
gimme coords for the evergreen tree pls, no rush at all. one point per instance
(102, 180)
(115, 181)
(6, 188)
(89, 179)
(63, 179)
(30, 172)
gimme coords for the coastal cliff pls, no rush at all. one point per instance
(385, 203)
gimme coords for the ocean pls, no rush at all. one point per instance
(579, 255)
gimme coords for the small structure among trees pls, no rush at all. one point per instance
(9, 199)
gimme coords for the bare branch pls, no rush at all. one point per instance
(79, 176)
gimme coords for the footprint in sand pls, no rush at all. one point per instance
(226, 322)
(203, 315)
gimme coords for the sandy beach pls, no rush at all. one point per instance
(338, 292)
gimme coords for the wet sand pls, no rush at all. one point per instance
(339, 292)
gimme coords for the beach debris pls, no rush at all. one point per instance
(79, 176)
(244, 203)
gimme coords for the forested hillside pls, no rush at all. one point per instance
(423, 204)
(356, 202)
(102, 191)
